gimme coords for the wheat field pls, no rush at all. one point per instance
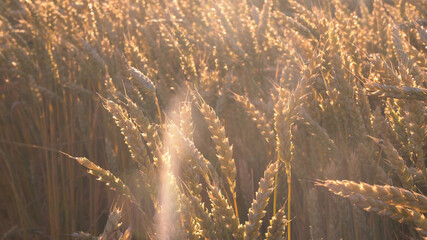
(209, 119)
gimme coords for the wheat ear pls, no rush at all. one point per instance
(146, 85)
(400, 92)
(186, 123)
(224, 215)
(317, 130)
(148, 130)
(277, 225)
(257, 211)
(112, 227)
(259, 118)
(418, 177)
(129, 130)
(204, 218)
(107, 177)
(223, 148)
(387, 194)
(189, 150)
(400, 214)
(397, 162)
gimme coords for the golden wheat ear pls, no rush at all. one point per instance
(185, 120)
(388, 194)
(112, 227)
(397, 203)
(277, 226)
(130, 132)
(258, 117)
(257, 211)
(204, 219)
(111, 230)
(399, 92)
(223, 215)
(223, 147)
(396, 162)
(105, 176)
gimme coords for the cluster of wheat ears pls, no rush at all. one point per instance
(238, 119)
